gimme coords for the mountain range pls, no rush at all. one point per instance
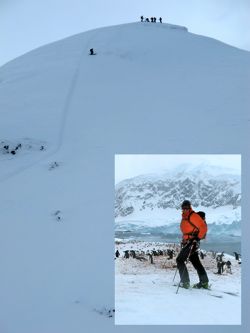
(169, 190)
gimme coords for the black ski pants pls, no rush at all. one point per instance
(190, 251)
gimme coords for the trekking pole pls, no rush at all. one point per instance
(175, 274)
(191, 248)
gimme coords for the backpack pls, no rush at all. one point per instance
(203, 216)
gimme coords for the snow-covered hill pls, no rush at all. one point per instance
(151, 88)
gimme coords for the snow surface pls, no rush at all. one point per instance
(149, 89)
(146, 295)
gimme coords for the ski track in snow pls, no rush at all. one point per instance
(65, 113)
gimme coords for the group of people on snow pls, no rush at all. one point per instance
(152, 19)
(143, 19)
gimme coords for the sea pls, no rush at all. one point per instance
(227, 243)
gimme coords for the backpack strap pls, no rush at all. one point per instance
(195, 227)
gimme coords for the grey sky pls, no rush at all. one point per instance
(127, 166)
(27, 24)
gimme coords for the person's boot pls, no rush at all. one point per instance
(185, 285)
(201, 285)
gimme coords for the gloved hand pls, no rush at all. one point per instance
(184, 242)
(196, 243)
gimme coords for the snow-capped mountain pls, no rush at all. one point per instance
(64, 115)
(151, 203)
(169, 190)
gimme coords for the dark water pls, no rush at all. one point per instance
(228, 244)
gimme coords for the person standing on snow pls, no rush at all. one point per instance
(194, 228)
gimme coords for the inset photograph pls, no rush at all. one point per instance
(178, 239)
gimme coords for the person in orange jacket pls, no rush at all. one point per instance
(193, 228)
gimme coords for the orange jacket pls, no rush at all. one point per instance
(192, 225)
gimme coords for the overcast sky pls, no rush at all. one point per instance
(128, 166)
(27, 24)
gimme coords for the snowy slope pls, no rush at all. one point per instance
(150, 88)
(146, 294)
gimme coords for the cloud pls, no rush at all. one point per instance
(131, 165)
